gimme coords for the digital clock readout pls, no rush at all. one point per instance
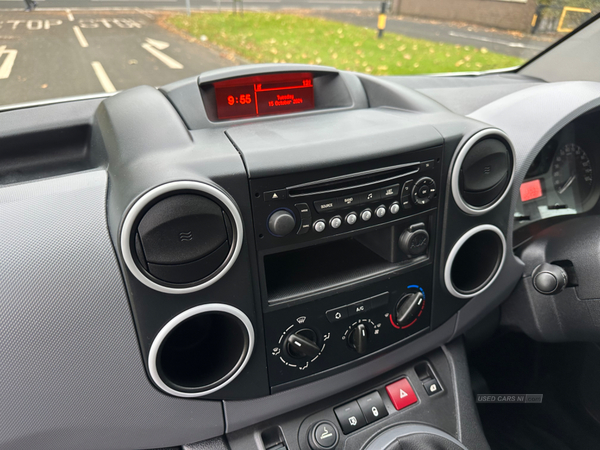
(264, 95)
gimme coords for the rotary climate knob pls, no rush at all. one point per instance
(281, 223)
(302, 344)
(359, 338)
(408, 308)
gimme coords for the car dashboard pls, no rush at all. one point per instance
(280, 254)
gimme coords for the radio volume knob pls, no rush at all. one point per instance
(281, 223)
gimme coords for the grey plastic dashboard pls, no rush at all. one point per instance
(74, 371)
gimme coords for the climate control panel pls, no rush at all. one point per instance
(307, 339)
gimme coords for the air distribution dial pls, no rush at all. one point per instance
(282, 222)
(302, 344)
(408, 308)
(359, 338)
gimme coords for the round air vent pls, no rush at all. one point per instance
(201, 350)
(181, 237)
(483, 171)
(475, 261)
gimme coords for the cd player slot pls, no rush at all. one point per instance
(356, 180)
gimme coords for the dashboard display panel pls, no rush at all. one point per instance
(264, 95)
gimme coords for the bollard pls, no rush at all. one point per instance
(381, 20)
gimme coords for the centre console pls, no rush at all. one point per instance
(319, 237)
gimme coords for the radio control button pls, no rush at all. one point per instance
(366, 215)
(380, 211)
(335, 222)
(319, 226)
(390, 191)
(407, 187)
(406, 202)
(369, 196)
(428, 165)
(325, 205)
(351, 218)
(279, 194)
(303, 209)
(281, 223)
(394, 208)
(349, 200)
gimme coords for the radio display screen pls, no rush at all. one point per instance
(264, 95)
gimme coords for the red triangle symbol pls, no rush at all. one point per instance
(403, 394)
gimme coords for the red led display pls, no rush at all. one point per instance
(264, 95)
(531, 190)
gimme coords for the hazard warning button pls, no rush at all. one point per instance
(401, 394)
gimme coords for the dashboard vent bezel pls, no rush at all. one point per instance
(171, 188)
(153, 355)
(458, 246)
(462, 154)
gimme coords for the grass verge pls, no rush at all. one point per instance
(288, 38)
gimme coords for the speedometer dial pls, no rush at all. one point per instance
(572, 173)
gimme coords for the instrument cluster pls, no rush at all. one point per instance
(563, 179)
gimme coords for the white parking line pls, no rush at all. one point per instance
(7, 65)
(493, 41)
(103, 77)
(70, 15)
(167, 60)
(80, 37)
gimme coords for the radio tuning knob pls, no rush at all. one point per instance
(282, 223)
(359, 338)
(407, 308)
(302, 344)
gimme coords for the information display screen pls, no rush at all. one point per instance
(264, 95)
(530, 190)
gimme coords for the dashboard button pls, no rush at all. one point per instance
(349, 200)
(337, 314)
(432, 386)
(390, 191)
(407, 187)
(401, 394)
(319, 226)
(303, 209)
(325, 435)
(406, 203)
(351, 218)
(325, 205)
(394, 208)
(427, 165)
(380, 211)
(372, 407)
(369, 196)
(350, 417)
(279, 194)
(366, 215)
(335, 222)
(359, 307)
